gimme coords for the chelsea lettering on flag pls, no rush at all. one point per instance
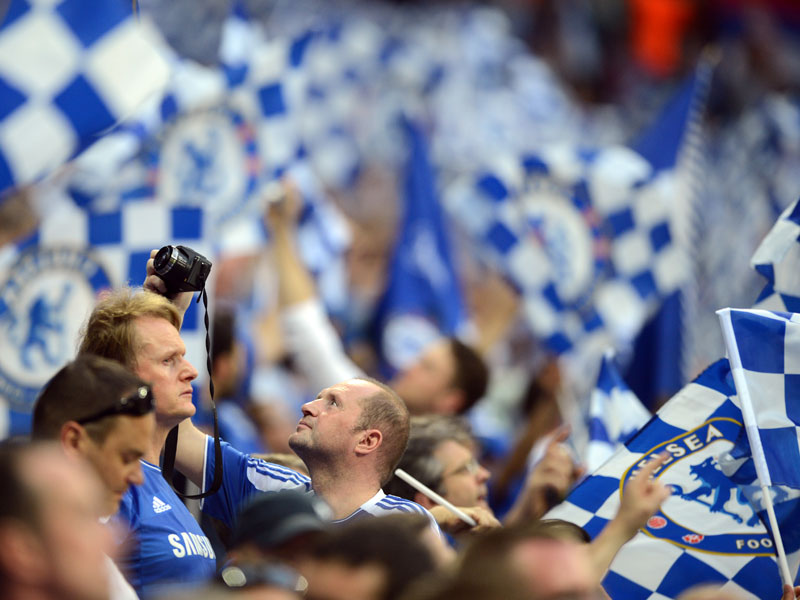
(707, 531)
(69, 71)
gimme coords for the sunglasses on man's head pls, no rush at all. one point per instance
(136, 404)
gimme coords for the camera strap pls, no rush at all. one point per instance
(171, 445)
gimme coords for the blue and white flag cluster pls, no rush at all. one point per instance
(215, 141)
(615, 415)
(69, 71)
(707, 531)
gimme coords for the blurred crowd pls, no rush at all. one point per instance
(301, 497)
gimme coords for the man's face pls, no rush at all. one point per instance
(424, 383)
(116, 460)
(328, 423)
(73, 541)
(160, 361)
(463, 478)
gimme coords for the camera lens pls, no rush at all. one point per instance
(181, 268)
(164, 259)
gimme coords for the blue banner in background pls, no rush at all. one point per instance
(423, 296)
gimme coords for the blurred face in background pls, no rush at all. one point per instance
(464, 480)
(427, 385)
(65, 557)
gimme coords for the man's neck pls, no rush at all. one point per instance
(343, 490)
(162, 429)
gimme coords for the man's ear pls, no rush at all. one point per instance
(368, 441)
(73, 438)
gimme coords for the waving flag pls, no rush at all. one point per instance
(423, 296)
(615, 414)
(707, 531)
(585, 235)
(69, 71)
(763, 348)
(212, 140)
(50, 280)
(334, 73)
(777, 259)
(768, 346)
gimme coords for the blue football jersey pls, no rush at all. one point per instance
(244, 475)
(163, 544)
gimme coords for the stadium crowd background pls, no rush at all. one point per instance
(522, 78)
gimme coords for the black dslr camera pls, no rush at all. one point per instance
(182, 269)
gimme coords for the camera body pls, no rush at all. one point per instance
(182, 269)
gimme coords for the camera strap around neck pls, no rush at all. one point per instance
(171, 445)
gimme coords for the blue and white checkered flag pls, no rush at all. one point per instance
(707, 531)
(584, 236)
(765, 347)
(615, 414)
(777, 258)
(332, 83)
(51, 279)
(212, 140)
(69, 71)
(764, 350)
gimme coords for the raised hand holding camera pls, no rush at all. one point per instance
(181, 268)
(176, 272)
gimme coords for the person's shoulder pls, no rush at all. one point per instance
(391, 503)
(259, 467)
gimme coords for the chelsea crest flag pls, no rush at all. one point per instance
(707, 531)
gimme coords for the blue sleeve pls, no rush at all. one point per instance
(242, 476)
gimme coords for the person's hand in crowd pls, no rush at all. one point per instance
(641, 498)
(548, 482)
(154, 283)
(790, 593)
(453, 525)
(283, 204)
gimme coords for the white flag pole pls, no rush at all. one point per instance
(426, 491)
(751, 427)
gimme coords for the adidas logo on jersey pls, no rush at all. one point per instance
(159, 505)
